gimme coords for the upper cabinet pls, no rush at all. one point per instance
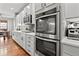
(26, 16)
(29, 14)
(71, 10)
(39, 6)
(48, 4)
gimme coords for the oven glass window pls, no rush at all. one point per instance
(51, 24)
(45, 47)
(46, 25)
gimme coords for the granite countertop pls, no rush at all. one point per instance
(70, 42)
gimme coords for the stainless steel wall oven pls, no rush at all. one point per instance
(47, 32)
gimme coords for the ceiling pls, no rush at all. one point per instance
(9, 9)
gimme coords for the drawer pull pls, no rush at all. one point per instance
(29, 46)
(29, 41)
(29, 37)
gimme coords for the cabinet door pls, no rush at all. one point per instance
(18, 38)
(47, 4)
(13, 35)
(71, 50)
(71, 10)
(30, 44)
(65, 54)
(26, 42)
(37, 6)
(22, 41)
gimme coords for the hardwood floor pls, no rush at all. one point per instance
(10, 48)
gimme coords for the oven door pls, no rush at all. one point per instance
(48, 24)
(47, 47)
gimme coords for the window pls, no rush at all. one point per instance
(3, 25)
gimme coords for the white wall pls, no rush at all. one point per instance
(10, 25)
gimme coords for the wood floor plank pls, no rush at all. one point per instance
(10, 48)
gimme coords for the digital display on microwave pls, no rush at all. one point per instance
(46, 25)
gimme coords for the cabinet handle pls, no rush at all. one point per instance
(29, 37)
(43, 5)
(29, 46)
(21, 38)
(29, 41)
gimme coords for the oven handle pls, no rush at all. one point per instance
(47, 15)
(46, 39)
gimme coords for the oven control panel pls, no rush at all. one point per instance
(46, 35)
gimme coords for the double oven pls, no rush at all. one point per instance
(47, 32)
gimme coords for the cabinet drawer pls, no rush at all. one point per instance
(30, 38)
(30, 48)
(30, 42)
(29, 51)
(30, 45)
(65, 54)
(71, 50)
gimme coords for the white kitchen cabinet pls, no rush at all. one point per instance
(71, 10)
(69, 50)
(25, 40)
(14, 36)
(19, 38)
(48, 4)
(37, 6)
(30, 44)
(65, 54)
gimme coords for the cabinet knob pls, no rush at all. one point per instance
(43, 5)
(21, 38)
(29, 46)
(29, 41)
(29, 37)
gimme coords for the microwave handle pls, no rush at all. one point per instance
(46, 39)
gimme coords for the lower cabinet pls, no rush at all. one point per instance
(30, 44)
(26, 41)
(22, 41)
(69, 50)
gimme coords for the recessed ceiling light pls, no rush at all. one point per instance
(28, 7)
(11, 8)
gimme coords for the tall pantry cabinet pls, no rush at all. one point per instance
(69, 11)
